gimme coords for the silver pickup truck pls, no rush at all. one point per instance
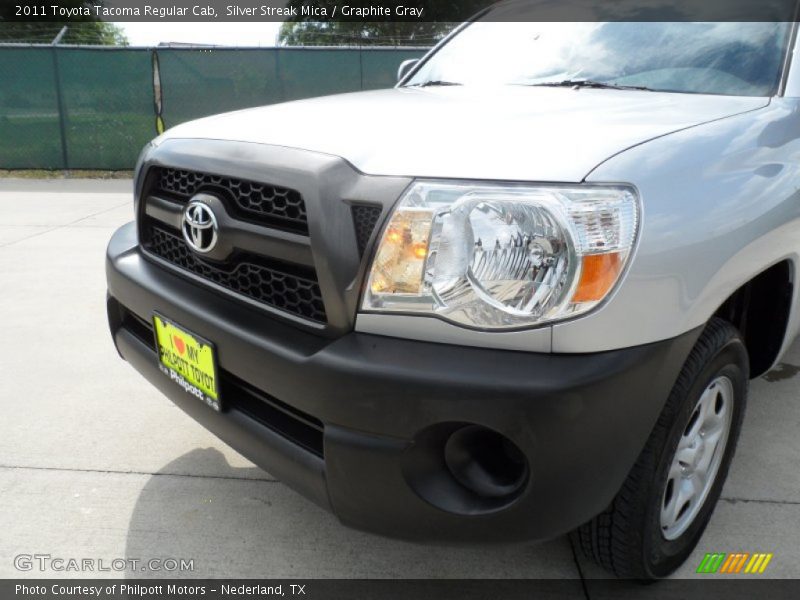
(521, 294)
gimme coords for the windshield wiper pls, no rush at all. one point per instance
(433, 83)
(588, 83)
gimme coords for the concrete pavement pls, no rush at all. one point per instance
(94, 463)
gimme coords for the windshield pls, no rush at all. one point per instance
(740, 59)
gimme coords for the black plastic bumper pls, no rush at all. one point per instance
(386, 406)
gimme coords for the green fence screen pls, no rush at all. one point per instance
(94, 108)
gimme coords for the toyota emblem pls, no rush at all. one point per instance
(200, 227)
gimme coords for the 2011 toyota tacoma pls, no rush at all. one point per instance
(518, 295)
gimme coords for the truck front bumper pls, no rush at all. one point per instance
(362, 424)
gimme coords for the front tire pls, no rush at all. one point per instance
(659, 515)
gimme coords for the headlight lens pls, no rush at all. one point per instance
(502, 256)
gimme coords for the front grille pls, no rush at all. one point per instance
(279, 285)
(301, 428)
(259, 203)
(365, 217)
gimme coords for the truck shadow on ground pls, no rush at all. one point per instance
(239, 523)
(781, 372)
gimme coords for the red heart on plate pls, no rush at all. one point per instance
(179, 344)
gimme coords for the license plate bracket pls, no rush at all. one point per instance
(188, 359)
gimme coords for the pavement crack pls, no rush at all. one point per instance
(733, 500)
(116, 472)
(64, 225)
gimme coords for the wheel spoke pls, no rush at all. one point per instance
(675, 472)
(688, 492)
(696, 483)
(685, 493)
(716, 420)
(670, 510)
(697, 424)
(706, 403)
(706, 458)
(712, 438)
(686, 455)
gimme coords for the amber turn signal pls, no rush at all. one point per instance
(599, 273)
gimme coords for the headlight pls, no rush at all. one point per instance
(502, 256)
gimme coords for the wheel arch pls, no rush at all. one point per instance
(761, 309)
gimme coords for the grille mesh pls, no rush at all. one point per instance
(365, 217)
(257, 202)
(292, 293)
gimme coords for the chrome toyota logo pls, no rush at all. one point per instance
(200, 227)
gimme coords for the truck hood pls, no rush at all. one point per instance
(506, 133)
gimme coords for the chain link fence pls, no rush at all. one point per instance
(95, 107)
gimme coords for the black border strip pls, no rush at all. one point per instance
(409, 11)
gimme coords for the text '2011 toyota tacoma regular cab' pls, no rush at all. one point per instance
(518, 295)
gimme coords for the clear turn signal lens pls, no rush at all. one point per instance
(398, 267)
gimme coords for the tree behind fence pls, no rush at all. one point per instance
(94, 108)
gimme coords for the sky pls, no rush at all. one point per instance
(219, 34)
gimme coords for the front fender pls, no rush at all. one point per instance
(720, 205)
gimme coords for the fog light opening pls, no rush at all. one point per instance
(486, 462)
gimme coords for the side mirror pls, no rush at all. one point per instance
(405, 67)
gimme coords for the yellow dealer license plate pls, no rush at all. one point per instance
(188, 360)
